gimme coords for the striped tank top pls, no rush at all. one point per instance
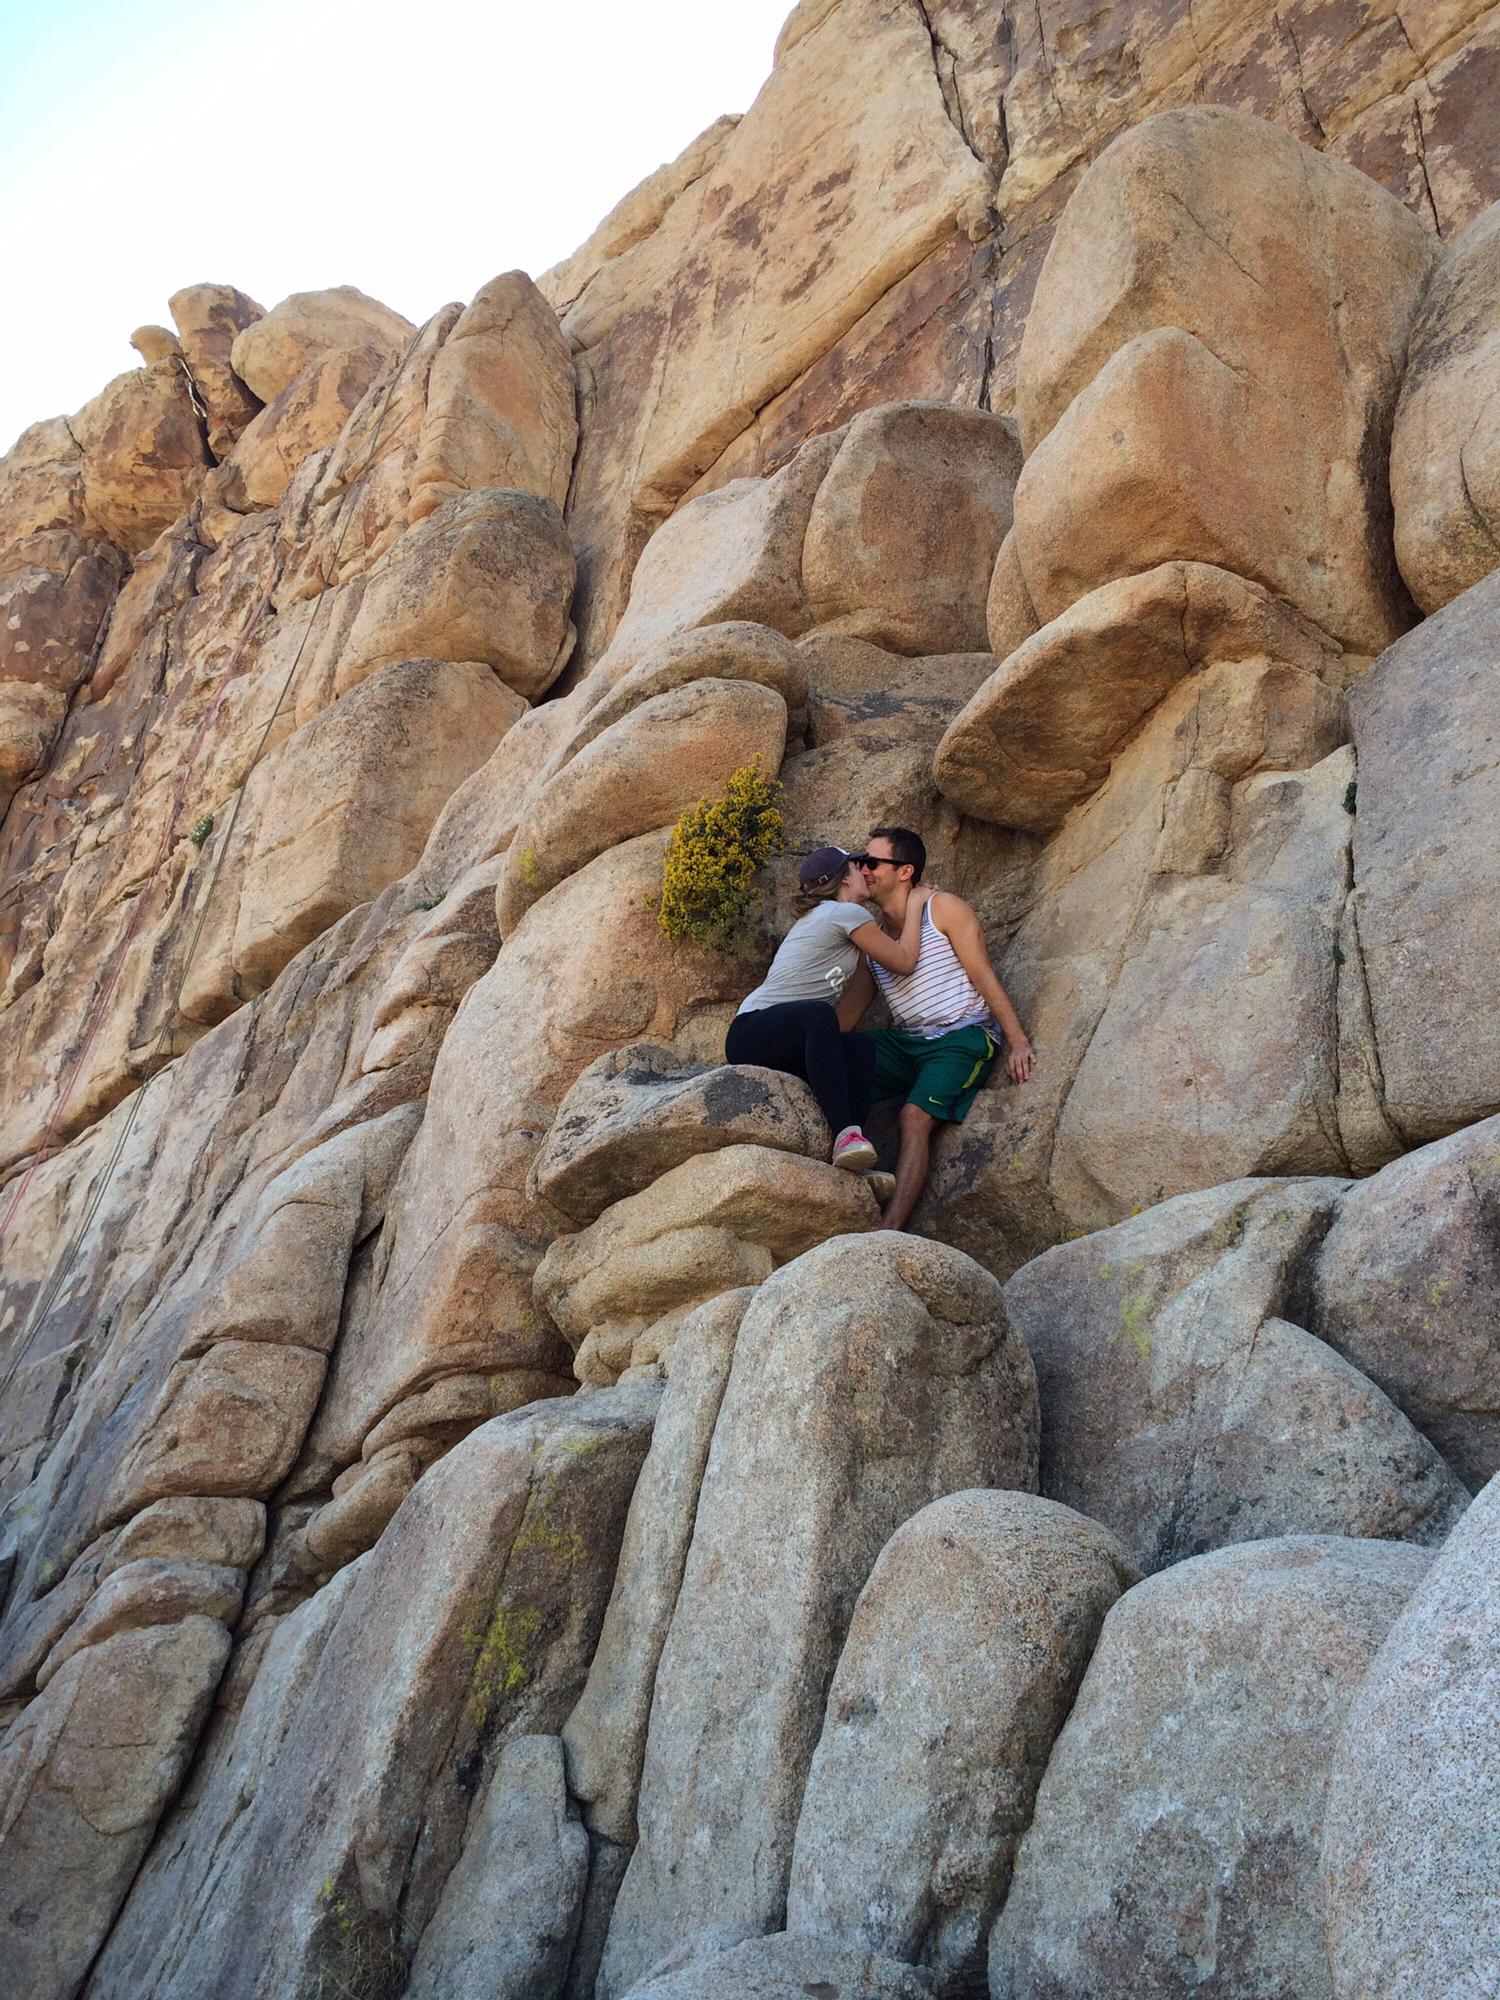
(937, 996)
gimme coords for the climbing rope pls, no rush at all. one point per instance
(48, 1297)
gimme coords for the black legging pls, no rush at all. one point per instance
(803, 1038)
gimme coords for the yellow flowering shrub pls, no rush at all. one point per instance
(709, 893)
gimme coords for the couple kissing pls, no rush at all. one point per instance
(866, 919)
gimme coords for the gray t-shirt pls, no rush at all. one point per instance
(816, 961)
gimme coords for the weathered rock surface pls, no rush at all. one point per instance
(1445, 451)
(1217, 336)
(878, 162)
(616, 1290)
(84, 1776)
(199, 1834)
(147, 1591)
(1413, 1815)
(605, 1736)
(1425, 864)
(1039, 735)
(963, 1657)
(273, 349)
(509, 1910)
(640, 1111)
(207, 318)
(344, 807)
(470, 1625)
(585, 970)
(1176, 1839)
(785, 1968)
(500, 402)
(871, 1377)
(1405, 1285)
(1185, 1411)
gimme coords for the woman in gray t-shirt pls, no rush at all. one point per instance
(788, 1022)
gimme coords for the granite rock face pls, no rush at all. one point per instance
(353, 1105)
(1445, 453)
(1413, 1811)
(870, 1377)
(1184, 1409)
(1176, 1842)
(963, 1657)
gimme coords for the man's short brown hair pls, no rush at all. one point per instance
(908, 849)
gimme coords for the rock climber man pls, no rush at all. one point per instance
(949, 1012)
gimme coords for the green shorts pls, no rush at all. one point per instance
(941, 1076)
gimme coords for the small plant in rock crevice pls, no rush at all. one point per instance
(709, 892)
(200, 829)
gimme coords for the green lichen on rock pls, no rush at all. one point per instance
(502, 1665)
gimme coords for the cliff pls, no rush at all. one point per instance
(486, 1509)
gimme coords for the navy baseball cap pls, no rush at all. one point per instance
(824, 865)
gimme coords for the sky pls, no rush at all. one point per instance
(413, 150)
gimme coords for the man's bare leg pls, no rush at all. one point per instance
(911, 1165)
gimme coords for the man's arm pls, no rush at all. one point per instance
(960, 926)
(855, 998)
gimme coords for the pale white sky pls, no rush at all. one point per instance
(414, 150)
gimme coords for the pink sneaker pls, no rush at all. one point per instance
(853, 1150)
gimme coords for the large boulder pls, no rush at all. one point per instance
(1184, 1410)
(605, 1736)
(1427, 865)
(618, 1289)
(730, 649)
(500, 402)
(144, 458)
(1210, 368)
(84, 1776)
(1412, 1829)
(1445, 451)
(1040, 734)
(1406, 1285)
(510, 1908)
(488, 577)
(208, 318)
(472, 1623)
(1175, 1847)
(273, 350)
(904, 529)
(637, 1112)
(963, 1658)
(731, 555)
(1224, 999)
(643, 772)
(870, 1377)
(305, 417)
(345, 805)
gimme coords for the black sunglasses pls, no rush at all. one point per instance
(872, 860)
